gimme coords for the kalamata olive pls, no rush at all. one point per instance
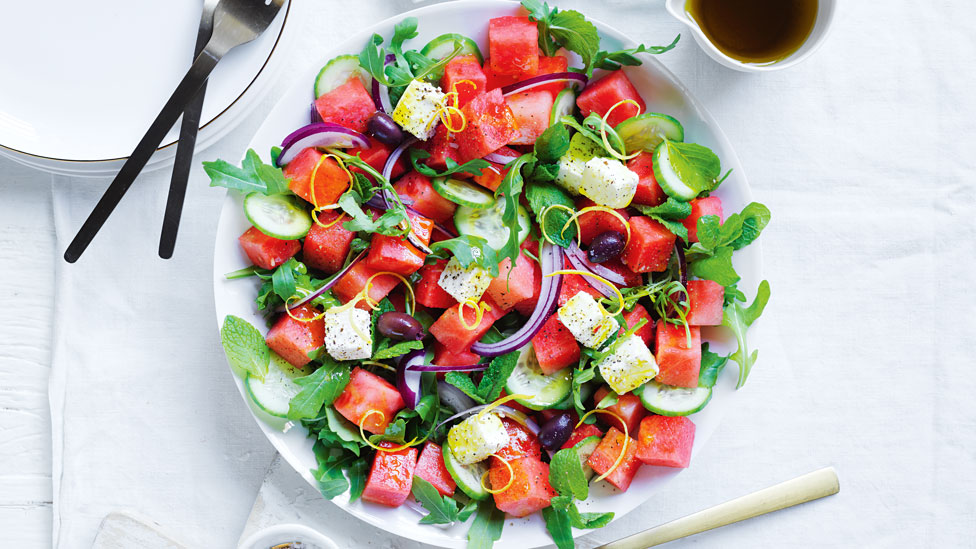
(399, 326)
(384, 129)
(606, 246)
(555, 432)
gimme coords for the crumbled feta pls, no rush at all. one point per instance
(608, 182)
(587, 320)
(629, 366)
(416, 112)
(464, 284)
(474, 439)
(344, 331)
(571, 164)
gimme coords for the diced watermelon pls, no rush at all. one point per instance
(391, 476)
(496, 79)
(551, 65)
(375, 155)
(630, 277)
(491, 178)
(526, 306)
(416, 187)
(294, 339)
(606, 454)
(441, 147)
(666, 441)
(679, 364)
(508, 290)
(490, 125)
(632, 317)
(513, 45)
(428, 292)
(266, 251)
(531, 110)
(446, 356)
(349, 105)
(354, 281)
(650, 246)
(648, 191)
(521, 443)
(599, 96)
(422, 227)
(574, 284)
(555, 347)
(585, 430)
(628, 408)
(430, 467)
(394, 254)
(529, 490)
(330, 180)
(326, 247)
(367, 391)
(595, 222)
(464, 75)
(710, 205)
(706, 298)
(452, 332)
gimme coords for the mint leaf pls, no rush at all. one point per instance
(468, 249)
(755, 217)
(612, 61)
(712, 365)
(670, 209)
(543, 195)
(571, 30)
(463, 382)
(320, 388)
(715, 233)
(552, 144)
(717, 267)
(696, 165)
(738, 319)
(487, 526)
(498, 372)
(566, 474)
(560, 528)
(244, 346)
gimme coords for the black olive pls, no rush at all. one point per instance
(399, 326)
(606, 246)
(555, 432)
(384, 129)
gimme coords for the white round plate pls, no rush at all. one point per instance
(662, 92)
(83, 80)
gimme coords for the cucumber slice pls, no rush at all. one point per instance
(585, 448)
(273, 394)
(528, 379)
(463, 193)
(646, 131)
(279, 215)
(443, 45)
(668, 178)
(338, 71)
(586, 390)
(667, 400)
(564, 105)
(487, 223)
(467, 477)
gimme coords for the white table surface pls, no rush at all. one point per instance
(865, 156)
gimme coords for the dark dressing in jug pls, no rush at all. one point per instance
(755, 31)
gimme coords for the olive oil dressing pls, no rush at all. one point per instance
(755, 31)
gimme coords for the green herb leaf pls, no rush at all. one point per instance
(715, 233)
(443, 509)
(696, 165)
(718, 267)
(283, 279)
(552, 144)
(670, 209)
(543, 195)
(582, 374)
(612, 61)
(339, 432)
(373, 59)
(252, 176)
(329, 477)
(487, 526)
(609, 400)
(571, 30)
(755, 217)
(712, 365)
(320, 388)
(468, 249)
(738, 319)
(472, 166)
(560, 528)
(511, 189)
(496, 375)
(244, 346)
(589, 520)
(566, 474)
(398, 349)
(356, 471)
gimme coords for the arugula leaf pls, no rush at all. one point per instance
(581, 375)
(511, 189)
(244, 346)
(712, 365)
(339, 432)
(320, 388)
(283, 278)
(738, 319)
(716, 234)
(473, 167)
(487, 526)
(373, 59)
(356, 471)
(331, 482)
(552, 144)
(566, 474)
(468, 249)
(253, 175)
(443, 509)
(398, 349)
(609, 400)
(543, 195)
(612, 61)
(559, 526)
(428, 69)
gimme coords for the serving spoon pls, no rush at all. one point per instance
(236, 22)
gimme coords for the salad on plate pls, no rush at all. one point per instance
(486, 274)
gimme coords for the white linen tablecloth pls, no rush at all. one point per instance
(865, 156)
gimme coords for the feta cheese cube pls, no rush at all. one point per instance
(418, 107)
(587, 320)
(464, 284)
(344, 331)
(571, 164)
(629, 366)
(474, 439)
(608, 182)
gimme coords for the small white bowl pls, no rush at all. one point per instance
(285, 533)
(825, 19)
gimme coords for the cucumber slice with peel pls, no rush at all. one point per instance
(463, 193)
(646, 131)
(443, 45)
(585, 448)
(275, 391)
(467, 477)
(279, 215)
(564, 105)
(668, 178)
(487, 223)
(338, 71)
(528, 379)
(667, 400)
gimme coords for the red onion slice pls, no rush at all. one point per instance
(322, 134)
(502, 410)
(595, 268)
(408, 380)
(498, 158)
(435, 368)
(574, 78)
(551, 257)
(594, 283)
(381, 93)
(313, 116)
(332, 281)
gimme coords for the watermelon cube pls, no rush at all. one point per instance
(330, 179)
(529, 490)
(266, 251)
(491, 177)
(521, 443)
(367, 391)
(455, 334)
(353, 282)
(490, 125)
(679, 363)
(441, 147)
(513, 45)
(706, 298)
(349, 105)
(512, 286)
(551, 65)
(430, 467)
(394, 254)
(526, 306)
(294, 339)
(326, 247)
(531, 110)
(463, 74)
(416, 188)
(391, 476)
(628, 408)
(700, 207)
(595, 222)
(585, 430)
(606, 454)
(574, 284)
(496, 79)
(428, 292)
(648, 190)
(375, 155)
(666, 441)
(599, 96)
(555, 347)
(632, 317)
(446, 356)
(650, 246)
